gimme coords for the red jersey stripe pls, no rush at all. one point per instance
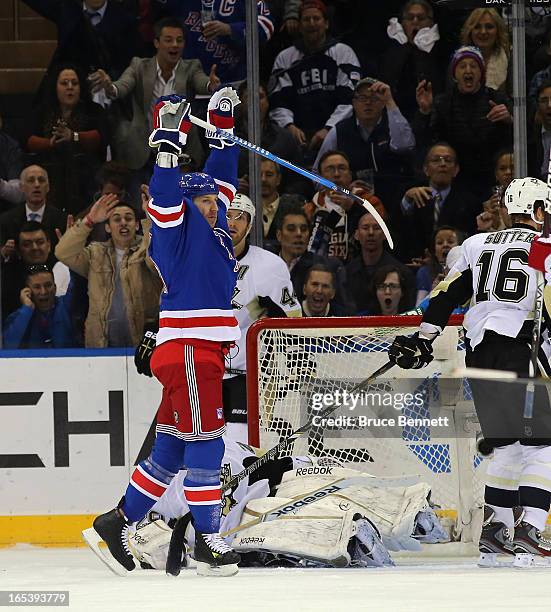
(163, 218)
(198, 322)
(226, 191)
(209, 495)
(148, 485)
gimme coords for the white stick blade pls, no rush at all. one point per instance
(371, 209)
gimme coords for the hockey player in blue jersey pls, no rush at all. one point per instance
(192, 250)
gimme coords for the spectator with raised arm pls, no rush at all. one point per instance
(123, 284)
(376, 139)
(144, 81)
(313, 80)
(334, 211)
(413, 54)
(473, 118)
(43, 321)
(438, 201)
(69, 138)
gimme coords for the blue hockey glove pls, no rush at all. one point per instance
(171, 125)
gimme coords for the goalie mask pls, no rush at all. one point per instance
(243, 203)
(522, 196)
(197, 184)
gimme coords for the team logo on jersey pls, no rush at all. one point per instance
(176, 417)
(219, 413)
(229, 500)
(236, 305)
(288, 299)
(243, 269)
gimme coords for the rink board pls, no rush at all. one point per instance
(73, 427)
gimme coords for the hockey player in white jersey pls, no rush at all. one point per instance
(357, 527)
(493, 273)
(263, 289)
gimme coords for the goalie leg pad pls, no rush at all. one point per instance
(150, 542)
(392, 509)
(321, 535)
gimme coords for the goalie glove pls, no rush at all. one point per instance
(220, 114)
(366, 548)
(428, 528)
(539, 256)
(411, 352)
(171, 125)
(144, 350)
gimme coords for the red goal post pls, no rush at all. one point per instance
(288, 357)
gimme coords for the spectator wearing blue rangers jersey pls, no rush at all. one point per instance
(314, 80)
(215, 33)
(192, 249)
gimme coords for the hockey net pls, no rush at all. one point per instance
(291, 360)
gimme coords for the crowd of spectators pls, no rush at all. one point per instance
(403, 102)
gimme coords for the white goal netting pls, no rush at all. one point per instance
(294, 365)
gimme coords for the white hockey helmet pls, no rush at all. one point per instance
(522, 194)
(244, 203)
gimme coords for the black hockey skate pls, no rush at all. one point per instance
(496, 538)
(529, 544)
(214, 557)
(112, 527)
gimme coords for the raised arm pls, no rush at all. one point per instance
(71, 248)
(223, 159)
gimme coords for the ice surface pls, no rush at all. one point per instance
(433, 585)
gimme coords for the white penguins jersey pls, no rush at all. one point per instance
(263, 288)
(173, 503)
(493, 274)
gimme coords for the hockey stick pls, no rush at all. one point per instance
(274, 451)
(538, 314)
(307, 173)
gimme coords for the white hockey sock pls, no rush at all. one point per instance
(535, 484)
(502, 478)
(535, 517)
(503, 515)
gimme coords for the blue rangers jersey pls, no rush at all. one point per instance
(195, 262)
(227, 52)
